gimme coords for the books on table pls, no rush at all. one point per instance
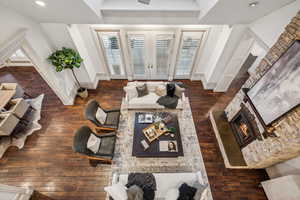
(168, 145)
(145, 118)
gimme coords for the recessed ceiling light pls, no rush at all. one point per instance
(253, 4)
(40, 3)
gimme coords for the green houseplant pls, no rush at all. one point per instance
(67, 58)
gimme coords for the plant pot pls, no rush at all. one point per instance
(83, 93)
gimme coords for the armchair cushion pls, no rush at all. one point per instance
(93, 143)
(112, 118)
(107, 146)
(101, 115)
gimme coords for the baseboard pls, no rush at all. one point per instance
(102, 76)
(206, 85)
(93, 85)
(197, 77)
(72, 95)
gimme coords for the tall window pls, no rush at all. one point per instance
(112, 50)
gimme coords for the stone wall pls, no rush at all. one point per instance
(271, 150)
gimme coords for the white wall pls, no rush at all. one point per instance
(269, 27)
(86, 46)
(57, 11)
(208, 49)
(11, 24)
(289, 167)
(90, 41)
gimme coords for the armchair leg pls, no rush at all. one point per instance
(93, 163)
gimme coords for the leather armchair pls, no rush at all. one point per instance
(112, 119)
(106, 149)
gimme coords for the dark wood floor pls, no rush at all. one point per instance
(48, 164)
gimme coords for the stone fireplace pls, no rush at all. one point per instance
(268, 150)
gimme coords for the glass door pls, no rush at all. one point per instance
(189, 46)
(138, 53)
(151, 53)
(163, 49)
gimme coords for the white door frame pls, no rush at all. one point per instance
(124, 30)
(20, 42)
(150, 54)
(146, 61)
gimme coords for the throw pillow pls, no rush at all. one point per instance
(200, 190)
(186, 192)
(101, 115)
(93, 143)
(178, 91)
(142, 90)
(135, 193)
(117, 191)
(172, 194)
(161, 90)
(170, 89)
(131, 92)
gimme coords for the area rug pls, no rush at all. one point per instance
(192, 160)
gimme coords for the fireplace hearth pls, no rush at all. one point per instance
(244, 127)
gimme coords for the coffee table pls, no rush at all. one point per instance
(153, 150)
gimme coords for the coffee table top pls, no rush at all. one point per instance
(154, 149)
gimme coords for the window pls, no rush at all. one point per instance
(112, 51)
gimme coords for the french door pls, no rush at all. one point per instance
(150, 53)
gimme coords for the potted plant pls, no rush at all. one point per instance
(67, 58)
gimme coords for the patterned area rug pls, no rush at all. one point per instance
(192, 160)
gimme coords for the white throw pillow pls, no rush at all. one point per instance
(93, 143)
(101, 115)
(172, 194)
(131, 92)
(178, 91)
(117, 191)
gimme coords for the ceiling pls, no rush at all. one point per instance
(56, 11)
(157, 5)
(238, 11)
(158, 12)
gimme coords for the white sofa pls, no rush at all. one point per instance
(132, 101)
(167, 181)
